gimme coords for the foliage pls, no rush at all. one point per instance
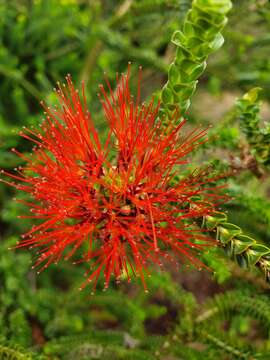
(257, 137)
(244, 249)
(200, 36)
(187, 314)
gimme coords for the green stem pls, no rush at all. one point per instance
(199, 37)
(242, 248)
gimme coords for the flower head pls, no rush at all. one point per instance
(118, 203)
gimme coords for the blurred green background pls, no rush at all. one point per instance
(187, 314)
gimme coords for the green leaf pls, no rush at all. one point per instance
(255, 253)
(242, 243)
(227, 231)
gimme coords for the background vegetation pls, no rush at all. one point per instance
(187, 314)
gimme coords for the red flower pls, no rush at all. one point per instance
(118, 201)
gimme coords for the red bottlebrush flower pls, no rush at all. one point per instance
(118, 201)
